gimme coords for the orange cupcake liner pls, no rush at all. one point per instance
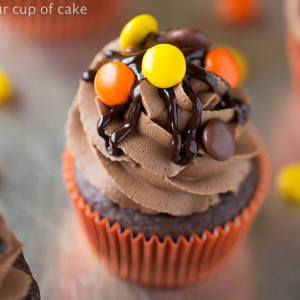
(55, 26)
(166, 263)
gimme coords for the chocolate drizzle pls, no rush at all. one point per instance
(171, 104)
(105, 119)
(191, 145)
(185, 145)
(133, 61)
(118, 136)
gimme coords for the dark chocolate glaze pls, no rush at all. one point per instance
(241, 108)
(185, 145)
(105, 119)
(193, 128)
(171, 104)
(118, 136)
(202, 74)
(133, 61)
(193, 53)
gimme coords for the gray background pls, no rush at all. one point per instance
(32, 195)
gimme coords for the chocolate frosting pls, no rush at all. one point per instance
(14, 284)
(143, 177)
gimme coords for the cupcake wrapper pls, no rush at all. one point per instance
(164, 263)
(55, 26)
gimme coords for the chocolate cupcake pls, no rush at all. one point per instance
(16, 281)
(163, 167)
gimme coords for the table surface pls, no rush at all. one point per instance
(32, 195)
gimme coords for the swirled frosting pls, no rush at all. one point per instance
(143, 177)
(14, 284)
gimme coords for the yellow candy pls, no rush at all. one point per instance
(164, 65)
(136, 30)
(5, 87)
(288, 182)
(242, 61)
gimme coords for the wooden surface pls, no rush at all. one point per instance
(32, 196)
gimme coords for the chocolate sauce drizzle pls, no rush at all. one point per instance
(185, 145)
(118, 136)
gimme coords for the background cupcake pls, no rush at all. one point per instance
(16, 281)
(292, 14)
(55, 20)
(155, 217)
(236, 12)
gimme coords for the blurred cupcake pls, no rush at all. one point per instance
(56, 20)
(165, 171)
(16, 281)
(236, 12)
(292, 13)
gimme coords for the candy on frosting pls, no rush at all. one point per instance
(186, 37)
(146, 156)
(218, 139)
(242, 61)
(164, 65)
(113, 83)
(142, 176)
(136, 30)
(221, 62)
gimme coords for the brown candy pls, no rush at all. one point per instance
(89, 75)
(154, 39)
(218, 140)
(187, 38)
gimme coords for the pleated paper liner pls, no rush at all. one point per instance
(55, 26)
(164, 263)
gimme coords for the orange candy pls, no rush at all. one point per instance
(222, 63)
(237, 11)
(113, 83)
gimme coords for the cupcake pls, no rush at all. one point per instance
(293, 41)
(16, 281)
(237, 12)
(163, 167)
(56, 20)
